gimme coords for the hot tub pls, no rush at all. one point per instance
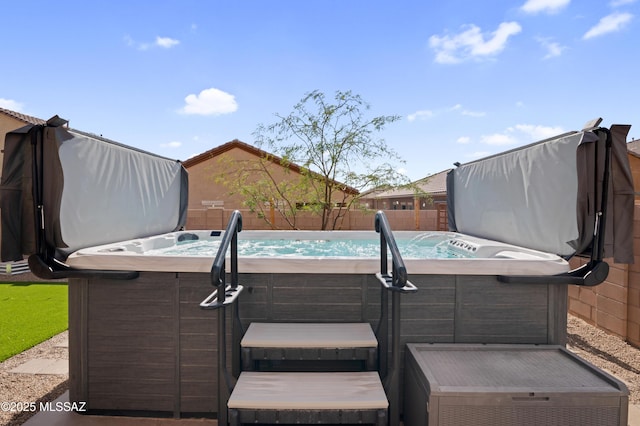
(294, 252)
(144, 345)
(138, 340)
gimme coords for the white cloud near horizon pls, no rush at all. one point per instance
(499, 139)
(609, 24)
(520, 134)
(172, 144)
(426, 114)
(471, 43)
(162, 42)
(467, 112)
(166, 42)
(11, 104)
(463, 140)
(209, 102)
(420, 115)
(547, 6)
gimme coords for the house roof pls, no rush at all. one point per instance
(435, 184)
(27, 119)
(633, 147)
(237, 144)
(212, 153)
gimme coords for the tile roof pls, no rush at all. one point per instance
(634, 147)
(435, 184)
(27, 119)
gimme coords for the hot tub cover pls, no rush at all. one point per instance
(91, 191)
(547, 195)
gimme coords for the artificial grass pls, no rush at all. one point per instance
(30, 313)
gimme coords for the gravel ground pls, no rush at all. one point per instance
(599, 348)
(31, 388)
(608, 352)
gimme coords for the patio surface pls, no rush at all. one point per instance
(52, 418)
(64, 418)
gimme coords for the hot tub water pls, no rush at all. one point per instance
(424, 246)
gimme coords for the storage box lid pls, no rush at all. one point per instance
(462, 368)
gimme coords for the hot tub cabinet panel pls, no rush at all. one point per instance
(144, 344)
(122, 343)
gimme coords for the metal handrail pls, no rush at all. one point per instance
(226, 296)
(398, 277)
(397, 283)
(218, 269)
(230, 237)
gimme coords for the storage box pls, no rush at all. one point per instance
(459, 384)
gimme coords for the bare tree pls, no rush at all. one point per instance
(334, 143)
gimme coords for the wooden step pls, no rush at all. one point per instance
(309, 342)
(297, 397)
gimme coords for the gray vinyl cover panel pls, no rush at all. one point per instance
(97, 191)
(526, 197)
(94, 191)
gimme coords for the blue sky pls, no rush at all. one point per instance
(468, 78)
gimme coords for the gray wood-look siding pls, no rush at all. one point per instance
(146, 345)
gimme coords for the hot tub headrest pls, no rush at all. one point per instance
(547, 195)
(91, 190)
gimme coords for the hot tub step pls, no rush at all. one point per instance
(309, 342)
(295, 397)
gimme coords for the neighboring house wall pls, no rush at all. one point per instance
(432, 192)
(205, 186)
(208, 172)
(405, 203)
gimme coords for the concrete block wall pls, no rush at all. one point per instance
(614, 305)
(355, 220)
(633, 296)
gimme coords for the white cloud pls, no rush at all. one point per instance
(548, 6)
(172, 144)
(471, 43)
(463, 111)
(520, 104)
(463, 140)
(166, 42)
(163, 42)
(420, 115)
(520, 134)
(473, 113)
(554, 49)
(610, 23)
(536, 133)
(210, 102)
(499, 139)
(426, 114)
(11, 104)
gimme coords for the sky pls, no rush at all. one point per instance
(468, 78)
